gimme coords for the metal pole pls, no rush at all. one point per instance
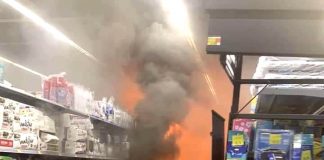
(236, 88)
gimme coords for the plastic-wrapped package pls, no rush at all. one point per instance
(303, 147)
(75, 147)
(289, 68)
(76, 134)
(83, 99)
(57, 89)
(29, 141)
(273, 144)
(237, 146)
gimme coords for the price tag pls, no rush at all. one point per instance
(275, 139)
(306, 155)
(237, 140)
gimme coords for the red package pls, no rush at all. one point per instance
(46, 88)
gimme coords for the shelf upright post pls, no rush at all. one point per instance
(236, 88)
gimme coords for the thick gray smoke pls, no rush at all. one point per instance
(165, 65)
(122, 32)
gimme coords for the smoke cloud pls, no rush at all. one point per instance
(129, 32)
(165, 65)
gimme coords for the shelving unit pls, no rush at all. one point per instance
(29, 99)
(232, 64)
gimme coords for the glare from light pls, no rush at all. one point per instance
(46, 26)
(22, 67)
(178, 19)
(177, 15)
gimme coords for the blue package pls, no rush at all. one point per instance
(264, 124)
(271, 144)
(237, 146)
(303, 147)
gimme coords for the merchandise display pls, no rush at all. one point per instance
(57, 89)
(273, 144)
(303, 147)
(237, 146)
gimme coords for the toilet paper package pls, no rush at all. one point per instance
(29, 141)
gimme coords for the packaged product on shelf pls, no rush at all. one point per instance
(28, 141)
(70, 120)
(273, 144)
(75, 134)
(16, 141)
(244, 125)
(118, 116)
(97, 110)
(303, 147)
(74, 147)
(83, 99)
(31, 119)
(48, 142)
(6, 138)
(110, 110)
(48, 125)
(237, 146)
(57, 89)
(264, 124)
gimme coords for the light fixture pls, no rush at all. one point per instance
(46, 26)
(22, 67)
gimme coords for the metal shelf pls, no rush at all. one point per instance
(313, 92)
(51, 153)
(29, 99)
(279, 116)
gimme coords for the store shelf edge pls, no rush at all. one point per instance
(279, 116)
(52, 153)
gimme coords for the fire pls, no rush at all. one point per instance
(174, 130)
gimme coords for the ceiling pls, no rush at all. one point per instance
(261, 26)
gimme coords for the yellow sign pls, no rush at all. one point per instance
(214, 41)
(275, 139)
(237, 140)
(306, 155)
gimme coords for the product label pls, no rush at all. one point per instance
(238, 140)
(6, 143)
(306, 155)
(275, 139)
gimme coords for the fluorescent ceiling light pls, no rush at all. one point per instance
(22, 67)
(46, 26)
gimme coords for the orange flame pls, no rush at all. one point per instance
(173, 131)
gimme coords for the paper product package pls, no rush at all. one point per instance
(273, 144)
(70, 120)
(31, 120)
(6, 138)
(57, 89)
(237, 146)
(75, 134)
(74, 147)
(29, 141)
(303, 147)
(48, 142)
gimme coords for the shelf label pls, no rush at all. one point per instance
(275, 139)
(214, 41)
(306, 155)
(237, 140)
